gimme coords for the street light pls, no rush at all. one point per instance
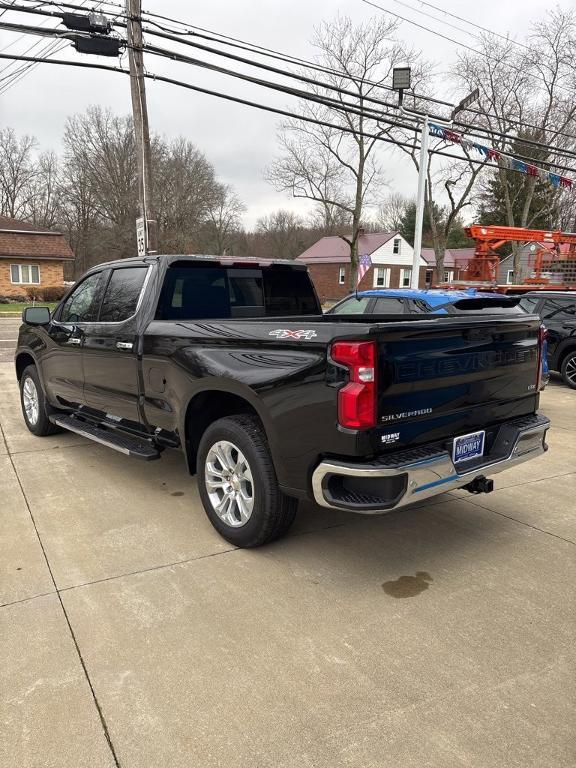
(401, 77)
(400, 83)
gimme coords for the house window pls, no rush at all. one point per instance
(342, 275)
(405, 276)
(396, 245)
(382, 277)
(448, 275)
(25, 274)
(510, 277)
(429, 276)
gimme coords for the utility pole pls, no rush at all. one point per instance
(149, 242)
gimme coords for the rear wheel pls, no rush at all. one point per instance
(568, 369)
(34, 405)
(238, 485)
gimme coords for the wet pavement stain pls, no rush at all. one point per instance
(177, 493)
(408, 586)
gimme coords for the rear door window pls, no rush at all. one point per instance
(389, 306)
(122, 294)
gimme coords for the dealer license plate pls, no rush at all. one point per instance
(468, 446)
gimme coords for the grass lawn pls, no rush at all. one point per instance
(18, 307)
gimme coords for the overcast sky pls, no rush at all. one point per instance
(238, 140)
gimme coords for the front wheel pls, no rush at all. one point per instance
(238, 484)
(568, 369)
(34, 406)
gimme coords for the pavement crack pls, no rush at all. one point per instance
(27, 599)
(66, 617)
(152, 568)
(521, 522)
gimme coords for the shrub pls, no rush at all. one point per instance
(33, 293)
(53, 293)
(13, 299)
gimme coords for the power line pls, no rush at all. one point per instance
(471, 23)
(340, 104)
(467, 126)
(287, 58)
(256, 105)
(457, 42)
(52, 47)
(327, 101)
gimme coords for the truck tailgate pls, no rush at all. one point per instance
(443, 380)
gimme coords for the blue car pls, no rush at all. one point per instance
(409, 301)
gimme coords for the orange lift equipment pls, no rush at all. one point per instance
(552, 266)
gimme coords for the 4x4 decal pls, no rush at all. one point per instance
(284, 333)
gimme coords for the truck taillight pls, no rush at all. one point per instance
(357, 400)
(543, 372)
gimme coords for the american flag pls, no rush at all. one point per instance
(363, 266)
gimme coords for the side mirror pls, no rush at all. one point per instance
(36, 316)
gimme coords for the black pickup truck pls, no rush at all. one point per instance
(233, 363)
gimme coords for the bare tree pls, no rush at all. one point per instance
(339, 168)
(224, 219)
(527, 92)
(17, 171)
(79, 216)
(391, 212)
(283, 234)
(102, 145)
(44, 188)
(186, 192)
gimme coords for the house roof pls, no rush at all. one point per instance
(20, 239)
(453, 257)
(334, 250)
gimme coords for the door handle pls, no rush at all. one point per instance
(74, 340)
(124, 345)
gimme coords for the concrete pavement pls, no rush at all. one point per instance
(8, 337)
(132, 635)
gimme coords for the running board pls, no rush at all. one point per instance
(130, 446)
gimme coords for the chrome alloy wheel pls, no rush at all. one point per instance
(570, 370)
(229, 483)
(31, 401)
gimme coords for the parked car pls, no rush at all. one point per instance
(557, 310)
(270, 401)
(401, 301)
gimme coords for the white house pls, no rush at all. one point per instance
(329, 263)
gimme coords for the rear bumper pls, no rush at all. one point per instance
(409, 476)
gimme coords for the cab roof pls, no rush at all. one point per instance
(227, 261)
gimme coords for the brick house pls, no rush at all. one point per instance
(455, 262)
(30, 257)
(328, 261)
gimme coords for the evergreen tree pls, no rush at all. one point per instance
(456, 239)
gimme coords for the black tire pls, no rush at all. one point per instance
(272, 513)
(41, 426)
(568, 369)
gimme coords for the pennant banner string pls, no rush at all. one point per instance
(500, 157)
